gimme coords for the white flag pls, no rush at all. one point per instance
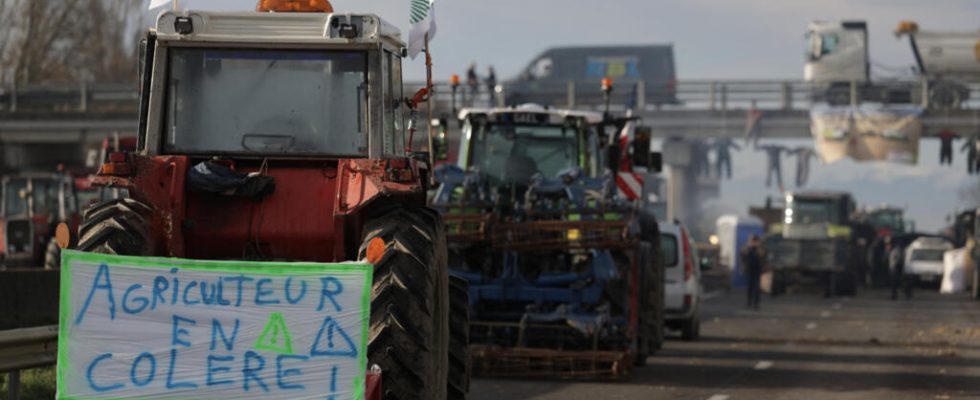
(158, 3)
(423, 19)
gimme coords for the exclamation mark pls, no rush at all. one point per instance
(333, 384)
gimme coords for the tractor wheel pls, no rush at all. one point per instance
(115, 227)
(654, 308)
(644, 336)
(846, 283)
(52, 256)
(409, 333)
(459, 338)
(691, 329)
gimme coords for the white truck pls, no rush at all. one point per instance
(948, 59)
(838, 61)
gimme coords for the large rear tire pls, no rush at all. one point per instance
(655, 304)
(643, 344)
(115, 227)
(459, 338)
(409, 333)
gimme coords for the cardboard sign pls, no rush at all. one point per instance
(136, 327)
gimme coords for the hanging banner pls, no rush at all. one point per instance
(148, 328)
(867, 133)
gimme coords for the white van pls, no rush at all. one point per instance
(924, 258)
(682, 280)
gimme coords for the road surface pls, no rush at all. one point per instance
(799, 346)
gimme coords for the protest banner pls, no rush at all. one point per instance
(147, 327)
(868, 133)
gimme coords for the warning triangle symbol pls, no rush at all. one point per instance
(335, 342)
(275, 336)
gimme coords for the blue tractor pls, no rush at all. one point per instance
(564, 273)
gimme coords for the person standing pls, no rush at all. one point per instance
(752, 261)
(473, 82)
(491, 82)
(896, 266)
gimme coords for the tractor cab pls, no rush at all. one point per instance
(276, 84)
(512, 145)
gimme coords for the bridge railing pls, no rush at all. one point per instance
(711, 95)
(719, 95)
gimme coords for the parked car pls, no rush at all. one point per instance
(682, 280)
(924, 258)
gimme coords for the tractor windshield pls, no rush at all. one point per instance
(291, 102)
(888, 219)
(515, 153)
(15, 197)
(813, 211)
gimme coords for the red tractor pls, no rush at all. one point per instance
(33, 204)
(282, 136)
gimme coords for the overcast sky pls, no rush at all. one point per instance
(745, 39)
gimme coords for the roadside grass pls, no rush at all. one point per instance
(35, 384)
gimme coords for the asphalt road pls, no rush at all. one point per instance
(799, 346)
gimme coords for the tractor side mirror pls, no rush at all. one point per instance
(440, 143)
(613, 152)
(641, 148)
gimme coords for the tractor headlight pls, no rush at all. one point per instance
(573, 234)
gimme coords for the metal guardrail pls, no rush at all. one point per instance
(26, 348)
(715, 95)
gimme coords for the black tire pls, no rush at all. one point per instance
(655, 309)
(52, 255)
(691, 328)
(846, 284)
(778, 287)
(459, 339)
(409, 332)
(646, 318)
(115, 227)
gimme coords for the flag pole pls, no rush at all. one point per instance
(428, 106)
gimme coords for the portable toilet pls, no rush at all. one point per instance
(733, 234)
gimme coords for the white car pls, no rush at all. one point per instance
(924, 258)
(682, 280)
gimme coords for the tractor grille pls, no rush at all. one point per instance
(19, 236)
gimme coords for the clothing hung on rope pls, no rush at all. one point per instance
(946, 138)
(803, 156)
(723, 156)
(773, 153)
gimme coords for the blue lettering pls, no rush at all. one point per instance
(212, 370)
(160, 285)
(216, 330)
(282, 373)
(91, 368)
(173, 300)
(221, 300)
(177, 331)
(241, 279)
(142, 301)
(260, 293)
(187, 289)
(249, 373)
(136, 364)
(170, 374)
(103, 272)
(329, 293)
(204, 293)
(302, 290)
